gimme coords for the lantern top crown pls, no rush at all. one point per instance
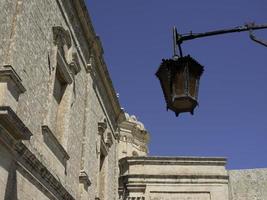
(180, 63)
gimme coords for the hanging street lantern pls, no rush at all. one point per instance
(179, 79)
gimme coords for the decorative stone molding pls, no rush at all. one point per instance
(61, 37)
(106, 136)
(11, 87)
(54, 145)
(13, 124)
(66, 58)
(84, 178)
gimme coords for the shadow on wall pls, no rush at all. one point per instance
(11, 187)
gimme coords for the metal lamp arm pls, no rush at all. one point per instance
(179, 38)
(251, 26)
(264, 43)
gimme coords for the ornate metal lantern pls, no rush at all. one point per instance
(179, 79)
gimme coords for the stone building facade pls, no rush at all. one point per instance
(59, 113)
(63, 134)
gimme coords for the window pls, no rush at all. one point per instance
(63, 65)
(59, 105)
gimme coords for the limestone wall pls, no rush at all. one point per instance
(250, 184)
(58, 109)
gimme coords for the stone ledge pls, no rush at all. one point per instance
(54, 145)
(9, 71)
(13, 124)
(215, 161)
(174, 179)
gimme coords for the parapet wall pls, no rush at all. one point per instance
(249, 184)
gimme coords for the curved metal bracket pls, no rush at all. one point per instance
(264, 43)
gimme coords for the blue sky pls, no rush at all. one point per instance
(231, 119)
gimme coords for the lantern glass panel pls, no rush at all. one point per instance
(192, 86)
(179, 84)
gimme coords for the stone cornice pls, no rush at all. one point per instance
(215, 161)
(95, 44)
(165, 177)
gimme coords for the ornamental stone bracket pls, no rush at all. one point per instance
(74, 63)
(106, 136)
(63, 54)
(11, 87)
(102, 126)
(84, 178)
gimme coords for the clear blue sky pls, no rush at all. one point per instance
(231, 120)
